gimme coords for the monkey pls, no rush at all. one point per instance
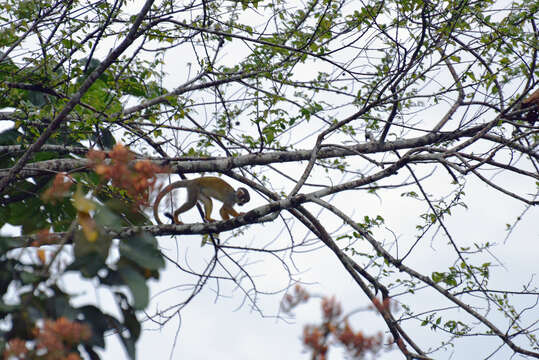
(203, 189)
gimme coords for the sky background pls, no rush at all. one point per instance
(225, 326)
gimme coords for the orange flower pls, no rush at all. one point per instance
(15, 348)
(58, 189)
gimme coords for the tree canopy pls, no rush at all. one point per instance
(346, 120)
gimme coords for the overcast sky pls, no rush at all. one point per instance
(220, 323)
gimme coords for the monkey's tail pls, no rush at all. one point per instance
(175, 185)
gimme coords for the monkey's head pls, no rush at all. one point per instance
(242, 196)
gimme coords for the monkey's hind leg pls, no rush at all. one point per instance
(208, 207)
(171, 217)
(189, 203)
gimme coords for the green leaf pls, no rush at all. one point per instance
(7, 269)
(19, 211)
(29, 278)
(130, 321)
(88, 264)
(8, 243)
(107, 218)
(137, 285)
(142, 249)
(107, 139)
(118, 213)
(9, 136)
(437, 277)
(90, 257)
(98, 322)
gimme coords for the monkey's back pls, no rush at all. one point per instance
(215, 187)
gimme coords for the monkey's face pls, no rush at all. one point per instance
(242, 196)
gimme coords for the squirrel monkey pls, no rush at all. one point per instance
(203, 189)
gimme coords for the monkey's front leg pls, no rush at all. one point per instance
(227, 211)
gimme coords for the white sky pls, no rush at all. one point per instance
(221, 327)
